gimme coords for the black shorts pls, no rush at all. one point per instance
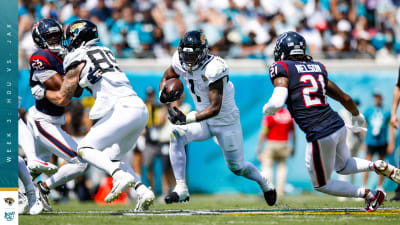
(381, 150)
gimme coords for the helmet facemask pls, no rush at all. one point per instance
(191, 57)
(53, 42)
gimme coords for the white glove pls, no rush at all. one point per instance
(38, 91)
(357, 123)
(268, 111)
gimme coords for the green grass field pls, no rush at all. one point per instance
(286, 211)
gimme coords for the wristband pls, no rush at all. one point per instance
(191, 117)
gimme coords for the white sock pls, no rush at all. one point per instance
(356, 165)
(98, 159)
(342, 188)
(23, 174)
(125, 167)
(177, 156)
(65, 173)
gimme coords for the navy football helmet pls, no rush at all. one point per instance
(193, 49)
(48, 34)
(80, 33)
(289, 43)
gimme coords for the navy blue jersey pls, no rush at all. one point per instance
(44, 63)
(307, 101)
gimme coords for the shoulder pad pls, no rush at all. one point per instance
(278, 69)
(40, 60)
(73, 58)
(216, 69)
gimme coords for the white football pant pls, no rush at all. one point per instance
(331, 153)
(229, 138)
(116, 133)
(51, 139)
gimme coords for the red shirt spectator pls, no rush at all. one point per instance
(278, 126)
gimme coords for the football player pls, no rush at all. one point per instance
(303, 85)
(121, 114)
(26, 142)
(216, 115)
(45, 118)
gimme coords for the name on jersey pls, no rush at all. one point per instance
(308, 68)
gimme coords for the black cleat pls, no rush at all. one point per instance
(270, 197)
(173, 197)
(43, 193)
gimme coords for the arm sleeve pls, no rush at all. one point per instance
(277, 100)
(398, 79)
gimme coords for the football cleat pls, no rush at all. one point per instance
(43, 193)
(269, 190)
(387, 170)
(372, 204)
(180, 194)
(270, 197)
(22, 203)
(121, 181)
(145, 198)
(37, 166)
(34, 202)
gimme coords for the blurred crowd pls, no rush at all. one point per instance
(234, 28)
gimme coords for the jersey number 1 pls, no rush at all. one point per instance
(307, 91)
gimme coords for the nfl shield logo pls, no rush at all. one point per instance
(9, 216)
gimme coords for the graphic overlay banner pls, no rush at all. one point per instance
(9, 113)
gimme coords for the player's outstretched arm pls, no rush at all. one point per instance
(68, 88)
(279, 96)
(336, 93)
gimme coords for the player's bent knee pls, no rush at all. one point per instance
(236, 169)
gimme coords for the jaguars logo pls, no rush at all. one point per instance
(9, 201)
(76, 27)
(202, 38)
(204, 78)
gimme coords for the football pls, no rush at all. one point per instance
(174, 85)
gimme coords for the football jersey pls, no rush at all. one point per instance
(43, 65)
(198, 81)
(307, 100)
(113, 85)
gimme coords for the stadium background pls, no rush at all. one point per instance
(367, 52)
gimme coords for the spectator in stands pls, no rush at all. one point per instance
(101, 11)
(276, 130)
(377, 118)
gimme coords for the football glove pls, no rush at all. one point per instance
(357, 123)
(168, 97)
(177, 117)
(38, 91)
(95, 74)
